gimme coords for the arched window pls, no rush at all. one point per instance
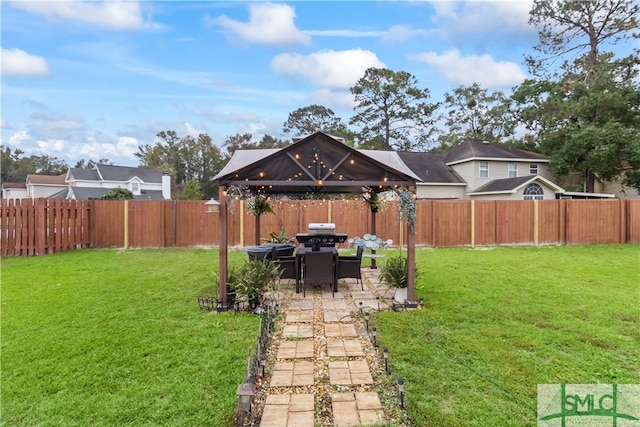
(533, 191)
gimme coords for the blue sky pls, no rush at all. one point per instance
(91, 80)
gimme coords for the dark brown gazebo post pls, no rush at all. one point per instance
(222, 257)
(257, 230)
(373, 231)
(411, 263)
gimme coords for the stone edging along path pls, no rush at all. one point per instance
(322, 368)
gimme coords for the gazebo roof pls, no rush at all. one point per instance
(317, 163)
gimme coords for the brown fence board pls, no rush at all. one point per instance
(48, 226)
(633, 221)
(515, 222)
(549, 230)
(486, 227)
(593, 222)
(452, 223)
(108, 223)
(146, 227)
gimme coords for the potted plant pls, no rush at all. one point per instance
(259, 205)
(283, 243)
(279, 237)
(232, 284)
(374, 201)
(254, 279)
(394, 274)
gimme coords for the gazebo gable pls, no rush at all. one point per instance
(317, 163)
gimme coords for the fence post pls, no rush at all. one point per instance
(126, 224)
(473, 223)
(536, 223)
(40, 226)
(623, 221)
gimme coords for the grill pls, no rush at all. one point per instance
(321, 232)
(321, 228)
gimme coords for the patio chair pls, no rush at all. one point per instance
(287, 265)
(319, 267)
(349, 266)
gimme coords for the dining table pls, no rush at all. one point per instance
(300, 253)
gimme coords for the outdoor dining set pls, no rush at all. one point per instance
(316, 260)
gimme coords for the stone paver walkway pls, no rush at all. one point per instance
(321, 361)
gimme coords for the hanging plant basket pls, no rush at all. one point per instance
(259, 205)
(374, 201)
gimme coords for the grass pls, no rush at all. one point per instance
(112, 337)
(498, 322)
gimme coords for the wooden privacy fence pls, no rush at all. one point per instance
(41, 226)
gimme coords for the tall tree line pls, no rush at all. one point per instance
(581, 107)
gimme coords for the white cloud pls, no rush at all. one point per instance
(127, 146)
(481, 69)
(474, 17)
(56, 125)
(19, 137)
(97, 150)
(332, 98)
(18, 62)
(269, 23)
(402, 33)
(122, 15)
(4, 123)
(192, 131)
(344, 33)
(51, 145)
(327, 68)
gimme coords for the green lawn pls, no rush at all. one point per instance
(500, 321)
(111, 337)
(114, 338)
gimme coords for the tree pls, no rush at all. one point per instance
(117, 193)
(184, 159)
(192, 191)
(90, 164)
(473, 114)
(575, 27)
(239, 141)
(306, 120)
(269, 141)
(589, 128)
(585, 115)
(392, 111)
(16, 168)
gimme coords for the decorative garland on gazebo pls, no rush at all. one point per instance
(407, 208)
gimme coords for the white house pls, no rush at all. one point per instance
(482, 170)
(44, 185)
(14, 190)
(145, 184)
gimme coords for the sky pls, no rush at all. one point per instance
(92, 80)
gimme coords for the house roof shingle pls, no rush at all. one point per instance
(46, 179)
(510, 185)
(87, 193)
(430, 167)
(487, 150)
(125, 173)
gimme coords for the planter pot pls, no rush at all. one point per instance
(282, 249)
(400, 295)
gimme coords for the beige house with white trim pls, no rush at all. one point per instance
(483, 171)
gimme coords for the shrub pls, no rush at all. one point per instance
(394, 272)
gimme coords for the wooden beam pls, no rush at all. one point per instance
(222, 257)
(411, 263)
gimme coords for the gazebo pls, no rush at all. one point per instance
(315, 165)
